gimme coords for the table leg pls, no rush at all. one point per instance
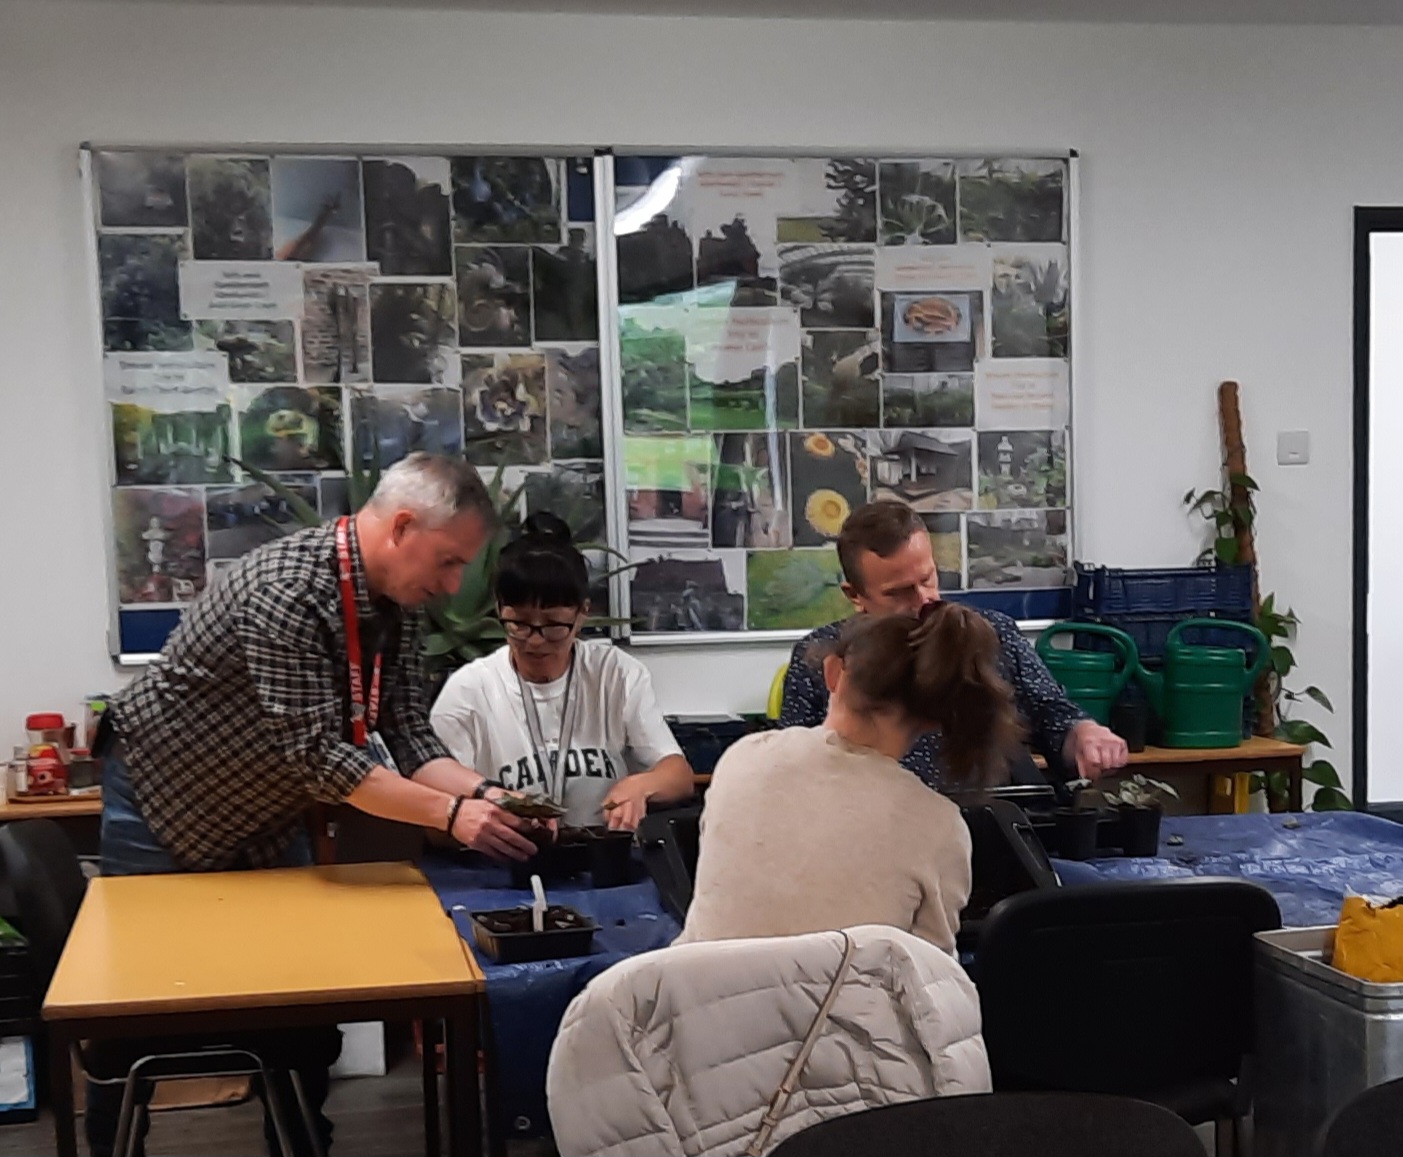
(1295, 774)
(61, 1094)
(492, 1097)
(461, 1079)
(429, 1038)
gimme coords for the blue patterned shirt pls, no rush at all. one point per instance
(1041, 701)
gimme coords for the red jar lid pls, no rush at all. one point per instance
(47, 721)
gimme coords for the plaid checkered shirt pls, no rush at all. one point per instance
(244, 720)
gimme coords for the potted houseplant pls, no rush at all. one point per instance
(1140, 802)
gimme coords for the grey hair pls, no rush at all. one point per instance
(435, 487)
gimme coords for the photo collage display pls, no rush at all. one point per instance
(800, 335)
(306, 316)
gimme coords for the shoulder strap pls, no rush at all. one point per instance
(775, 1112)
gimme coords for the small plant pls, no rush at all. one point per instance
(1139, 791)
(1230, 511)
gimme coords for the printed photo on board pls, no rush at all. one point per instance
(1018, 548)
(230, 208)
(156, 448)
(750, 485)
(932, 333)
(494, 295)
(317, 209)
(842, 370)
(565, 290)
(830, 285)
(918, 202)
(159, 537)
(573, 491)
(258, 351)
(653, 366)
(141, 190)
(140, 275)
(1029, 304)
(290, 428)
(336, 324)
(835, 199)
(515, 199)
(413, 333)
(829, 482)
(948, 546)
(1022, 468)
(929, 470)
(504, 409)
(789, 589)
(242, 518)
(1012, 199)
(572, 385)
(396, 422)
(407, 211)
(927, 400)
(669, 490)
(688, 590)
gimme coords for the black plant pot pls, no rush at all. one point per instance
(1076, 833)
(1139, 830)
(1130, 719)
(610, 858)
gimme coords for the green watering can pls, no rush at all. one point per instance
(1093, 679)
(1198, 696)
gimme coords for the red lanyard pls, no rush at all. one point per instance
(363, 712)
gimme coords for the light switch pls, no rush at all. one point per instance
(1292, 447)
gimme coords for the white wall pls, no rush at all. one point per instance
(1220, 168)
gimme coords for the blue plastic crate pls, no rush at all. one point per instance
(1181, 591)
(1148, 604)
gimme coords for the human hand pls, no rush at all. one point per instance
(1095, 749)
(484, 827)
(627, 803)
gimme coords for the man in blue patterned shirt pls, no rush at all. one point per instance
(889, 568)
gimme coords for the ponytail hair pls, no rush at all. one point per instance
(542, 568)
(943, 670)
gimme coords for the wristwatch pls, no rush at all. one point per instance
(480, 791)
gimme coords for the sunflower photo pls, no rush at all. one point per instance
(828, 481)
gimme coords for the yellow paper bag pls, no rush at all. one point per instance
(1369, 941)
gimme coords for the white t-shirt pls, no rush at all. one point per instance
(618, 730)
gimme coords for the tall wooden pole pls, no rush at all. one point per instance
(1235, 466)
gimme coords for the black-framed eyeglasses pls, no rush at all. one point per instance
(550, 632)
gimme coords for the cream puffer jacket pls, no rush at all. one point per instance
(683, 1051)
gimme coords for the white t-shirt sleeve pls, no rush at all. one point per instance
(459, 717)
(648, 737)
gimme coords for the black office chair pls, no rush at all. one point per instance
(48, 883)
(1002, 1125)
(1007, 858)
(671, 842)
(1371, 1125)
(1139, 989)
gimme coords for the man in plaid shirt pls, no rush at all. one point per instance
(246, 719)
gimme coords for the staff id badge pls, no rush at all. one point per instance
(380, 751)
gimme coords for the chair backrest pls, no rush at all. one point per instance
(1002, 1125)
(671, 843)
(1371, 1125)
(48, 884)
(1127, 988)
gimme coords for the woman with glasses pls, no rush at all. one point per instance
(551, 715)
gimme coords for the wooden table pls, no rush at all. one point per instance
(205, 953)
(80, 816)
(1255, 754)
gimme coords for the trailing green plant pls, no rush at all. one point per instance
(1229, 512)
(463, 626)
